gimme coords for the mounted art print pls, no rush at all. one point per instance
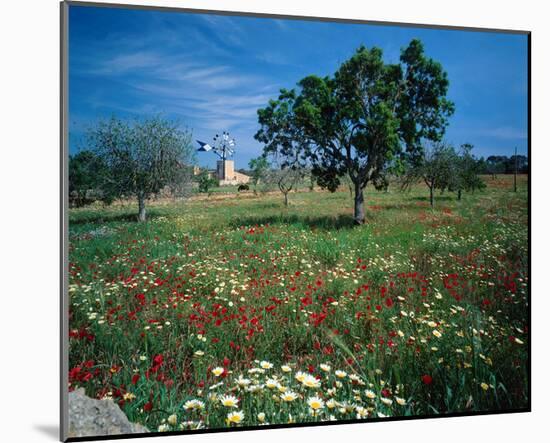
(274, 221)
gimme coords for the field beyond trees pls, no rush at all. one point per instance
(239, 311)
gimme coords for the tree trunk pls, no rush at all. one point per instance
(141, 203)
(432, 196)
(459, 194)
(286, 198)
(359, 209)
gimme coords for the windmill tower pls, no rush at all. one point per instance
(224, 147)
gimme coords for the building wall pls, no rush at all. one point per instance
(227, 174)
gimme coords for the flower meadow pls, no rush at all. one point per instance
(230, 312)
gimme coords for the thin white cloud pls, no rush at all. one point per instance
(283, 25)
(125, 63)
(504, 133)
(215, 97)
(195, 79)
(226, 27)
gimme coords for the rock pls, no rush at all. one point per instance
(89, 417)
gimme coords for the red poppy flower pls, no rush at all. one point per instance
(427, 379)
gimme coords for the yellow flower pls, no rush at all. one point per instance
(289, 396)
(484, 386)
(300, 376)
(265, 365)
(370, 394)
(340, 374)
(331, 404)
(315, 403)
(436, 333)
(193, 404)
(261, 417)
(173, 420)
(235, 417)
(217, 371)
(310, 381)
(400, 401)
(286, 368)
(325, 367)
(128, 396)
(229, 401)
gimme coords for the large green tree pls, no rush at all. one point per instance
(142, 157)
(370, 114)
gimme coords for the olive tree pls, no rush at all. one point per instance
(258, 167)
(142, 157)
(467, 177)
(437, 168)
(285, 178)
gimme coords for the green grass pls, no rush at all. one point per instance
(244, 279)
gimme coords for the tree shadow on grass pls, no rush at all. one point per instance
(337, 222)
(102, 218)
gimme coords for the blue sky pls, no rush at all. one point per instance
(213, 72)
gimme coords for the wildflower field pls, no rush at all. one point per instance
(237, 311)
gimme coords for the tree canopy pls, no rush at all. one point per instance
(142, 157)
(468, 169)
(367, 116)
(436, 168)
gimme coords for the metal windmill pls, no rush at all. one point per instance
(222, 145)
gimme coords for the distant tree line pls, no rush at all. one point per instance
(501, 164)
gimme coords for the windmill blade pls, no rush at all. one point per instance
(204, 147)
